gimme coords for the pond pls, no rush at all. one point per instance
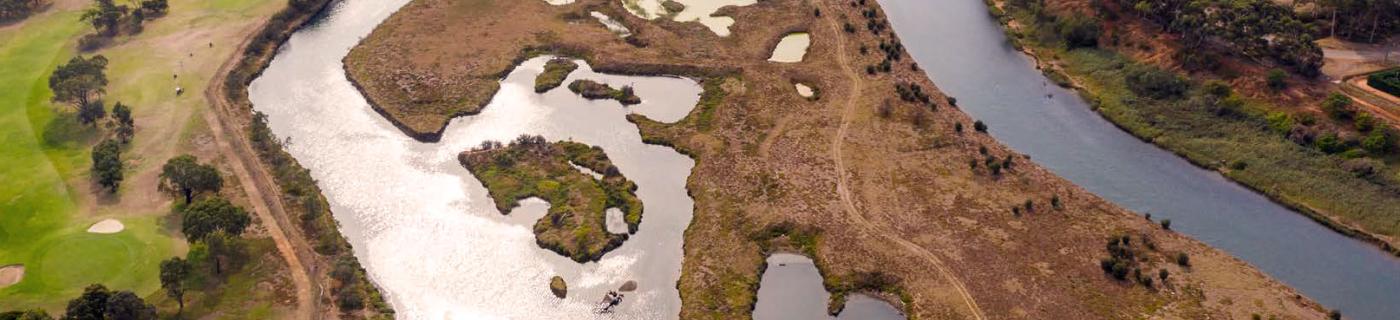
(791, 289)
(701, 11)
(425, 229)
(791, 48)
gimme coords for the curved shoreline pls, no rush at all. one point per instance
(1327, 220)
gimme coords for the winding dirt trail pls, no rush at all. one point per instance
(842, 188)
(257, 183)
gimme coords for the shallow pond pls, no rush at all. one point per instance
(701, 11)
(425, 229)
(791, 289)
(791, 48)
(965, 52)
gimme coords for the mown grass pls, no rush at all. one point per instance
(46, 152)
(575, 225)
(1297, 175)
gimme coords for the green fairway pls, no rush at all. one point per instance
(47, 202)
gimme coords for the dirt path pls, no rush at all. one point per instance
(842, 188)
(262, 192)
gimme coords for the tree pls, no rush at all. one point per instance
(157, 7)
(214, 215)
(126, 126)
(91, 305)
(107, 164)
(103, 15)
(125, 305)
(187, 176)
(90, 112)
(79, 81)
(16, 9)
(1378, 142)
(222, 248)
(173, 273)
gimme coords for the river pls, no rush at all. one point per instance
(964, 50)
(425, 229)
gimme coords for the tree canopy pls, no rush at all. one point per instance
(16, 9)
(173, 273)
(79, 81)
(107, 164)
(214, 214)
(1256, 28)
(104, 16)
(184, 174)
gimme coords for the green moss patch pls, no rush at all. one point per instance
(575, 225)
(554, 73)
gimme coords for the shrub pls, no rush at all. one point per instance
(1078, 31)
(107, 164)
(1155, 83)
(1338, 106)
(1277, 79)
(1387, 81)
(1166, 224)
(1183, 260)
(979, 126)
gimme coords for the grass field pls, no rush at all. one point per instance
(48, 201)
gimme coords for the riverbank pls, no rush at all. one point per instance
(276, 181)
(1249, 145)
(902, 191)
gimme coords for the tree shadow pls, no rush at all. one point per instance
(64, 131)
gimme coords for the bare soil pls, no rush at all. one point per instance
(11, 274)
(884, 184)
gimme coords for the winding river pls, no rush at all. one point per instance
(965, 52)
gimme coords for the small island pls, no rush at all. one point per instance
(593, 90)
(554, 73)
(575, 225)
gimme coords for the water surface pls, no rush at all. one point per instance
(791, 289)
(426, 230)
(965, 52)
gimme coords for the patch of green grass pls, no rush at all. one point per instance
(575, 225)
(59, 265)
(554, 73)
(239, 295)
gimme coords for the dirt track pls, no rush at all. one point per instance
(853, 99)
(258, 184)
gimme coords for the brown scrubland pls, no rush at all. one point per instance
(888, 186)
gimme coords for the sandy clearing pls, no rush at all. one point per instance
(11, 274)
(107, 226)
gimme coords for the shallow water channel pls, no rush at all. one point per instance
(965, 52)
(425, 229)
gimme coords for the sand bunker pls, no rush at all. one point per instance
(11, 274)
(106, 226)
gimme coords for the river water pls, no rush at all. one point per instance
(425, 229)
(965, 52)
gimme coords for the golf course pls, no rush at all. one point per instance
(50, 199)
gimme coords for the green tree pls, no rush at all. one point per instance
(91, 305)
(1078, 31)
(214, 214)
(223, 249)
(126, 126)
(107, 164)
(124, 305)
(79, 81)
(184, 174)
(104, 16)
(90, 112)
(173, 273)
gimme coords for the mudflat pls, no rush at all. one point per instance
(888, 186)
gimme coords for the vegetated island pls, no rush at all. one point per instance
(554, 73)
(594, 90)
(898, 195)
(576, 224)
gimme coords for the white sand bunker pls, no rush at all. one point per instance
(106, 226)
(11, 274)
